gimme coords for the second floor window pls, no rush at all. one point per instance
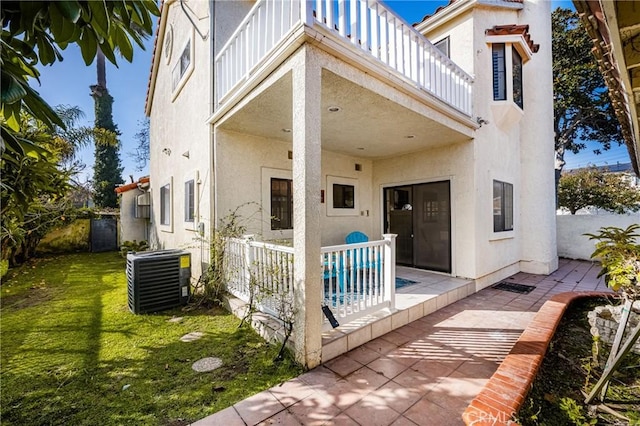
(182, 65)
(504, 89)
(499, 72)
(281, 204)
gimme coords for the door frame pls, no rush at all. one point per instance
(452, 210)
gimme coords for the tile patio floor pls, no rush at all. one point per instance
(424, 373)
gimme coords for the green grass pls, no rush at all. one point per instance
(72, 353)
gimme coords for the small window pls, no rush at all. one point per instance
(499, 73)
(443, 46)
(281, 204)
(189, 201)
(182, 65)
(165, 205)
(502, 206)
(516, 59)
(343, 196)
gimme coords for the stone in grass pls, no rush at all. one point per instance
(207, 364)
(175, 319)
(190, 337)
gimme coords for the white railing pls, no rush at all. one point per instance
(357, 279)
(260, 271)
(260, 31)
(366, 24)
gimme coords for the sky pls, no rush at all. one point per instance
(67, 83)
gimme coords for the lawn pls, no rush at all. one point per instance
(72, 353)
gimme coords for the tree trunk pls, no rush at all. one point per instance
(100, 67)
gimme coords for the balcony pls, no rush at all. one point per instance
(366, 27)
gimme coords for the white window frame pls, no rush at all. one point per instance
(166, 227)
(506, 233)
(177, 85)
(339, 180)
(267, 174)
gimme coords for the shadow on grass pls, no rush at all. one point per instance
(82, 358)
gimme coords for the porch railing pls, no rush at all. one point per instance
(260, 271)
(357, 279)
(365, 24)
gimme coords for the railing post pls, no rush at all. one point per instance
(306, 12)
(390, 269)
(248, 258)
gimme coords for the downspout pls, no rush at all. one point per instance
(213, 205)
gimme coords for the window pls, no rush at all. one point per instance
(443, 46)
(343, 196)
(517, 77)
(165, 205)
(281, 204)
(499, 73)
(500, 86)
(189, 201)
(502, 206)
(182, 65)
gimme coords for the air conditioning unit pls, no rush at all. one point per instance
(143, 206)
(158, 280)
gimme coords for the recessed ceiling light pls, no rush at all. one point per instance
(286, 130)
(334, 109)
(409, 137)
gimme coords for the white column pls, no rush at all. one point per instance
(390, 269)
(306, 213)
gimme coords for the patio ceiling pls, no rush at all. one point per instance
(366, 124)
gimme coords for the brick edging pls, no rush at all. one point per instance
(505, 392)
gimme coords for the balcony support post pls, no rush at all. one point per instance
(306, 127)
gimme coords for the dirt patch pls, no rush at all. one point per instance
(572, 366)
(34, 296)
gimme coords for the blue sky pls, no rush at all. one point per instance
(68, 82)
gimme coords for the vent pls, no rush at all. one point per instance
(158, 280)
(514, 288)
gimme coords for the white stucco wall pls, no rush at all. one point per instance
(131, 228)
(179, 135)
(573, 244)
(245, 166)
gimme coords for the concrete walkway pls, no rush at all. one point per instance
(424, 373)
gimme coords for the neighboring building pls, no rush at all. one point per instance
(614, 27)
(135, 209)
(345, 118)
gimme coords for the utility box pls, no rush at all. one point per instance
(158, 280)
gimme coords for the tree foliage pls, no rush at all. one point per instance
(36, 161)
(595, 188)
(107, 169)
(582, 108)
(35, 188)
(141, 154)
(34, 33)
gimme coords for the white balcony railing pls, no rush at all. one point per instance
(357, 279)
(365, 24)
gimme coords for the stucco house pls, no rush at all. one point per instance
(435, 140)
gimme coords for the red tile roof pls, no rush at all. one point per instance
(514, 29)
(133, 185)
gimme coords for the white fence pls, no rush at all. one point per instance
(357, 279)
(262, 271)
(365, 24)
(573, 244)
